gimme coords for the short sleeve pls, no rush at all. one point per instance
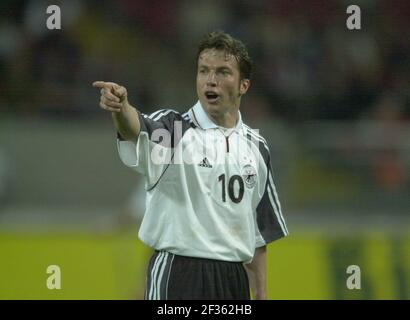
(270, 223)
(152, 153)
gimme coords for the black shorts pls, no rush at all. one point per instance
(173, 277)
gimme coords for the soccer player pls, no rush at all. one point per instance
(212, 206)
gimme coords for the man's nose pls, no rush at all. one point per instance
(211, 81)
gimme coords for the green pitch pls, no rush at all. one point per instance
(306, 265)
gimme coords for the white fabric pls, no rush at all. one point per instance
(185, 212)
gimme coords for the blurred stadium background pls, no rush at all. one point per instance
(333, 104)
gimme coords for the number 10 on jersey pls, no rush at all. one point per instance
(231, 191)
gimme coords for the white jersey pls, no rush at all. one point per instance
(210, 192)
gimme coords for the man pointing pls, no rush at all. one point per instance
(209, 219)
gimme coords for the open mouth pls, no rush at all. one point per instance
(211, 96)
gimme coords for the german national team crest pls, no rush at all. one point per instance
(249, 176)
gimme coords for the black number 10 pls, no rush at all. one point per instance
(231, 192)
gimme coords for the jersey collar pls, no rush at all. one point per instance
(199, 116)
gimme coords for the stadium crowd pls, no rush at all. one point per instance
(308, 64)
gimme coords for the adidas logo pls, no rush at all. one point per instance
(205, 163)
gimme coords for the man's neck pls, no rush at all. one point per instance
(228, 120)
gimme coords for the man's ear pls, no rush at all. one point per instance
(244, 86)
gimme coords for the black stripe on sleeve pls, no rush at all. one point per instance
(266, 219)
(169, 120)
(269, 217)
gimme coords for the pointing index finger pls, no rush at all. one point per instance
(102, 84)
(99, 84)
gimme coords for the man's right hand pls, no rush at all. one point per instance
(113, 96)
(114, 99)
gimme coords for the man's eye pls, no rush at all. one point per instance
(202, 71)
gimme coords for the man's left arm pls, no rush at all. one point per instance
(257, 274)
